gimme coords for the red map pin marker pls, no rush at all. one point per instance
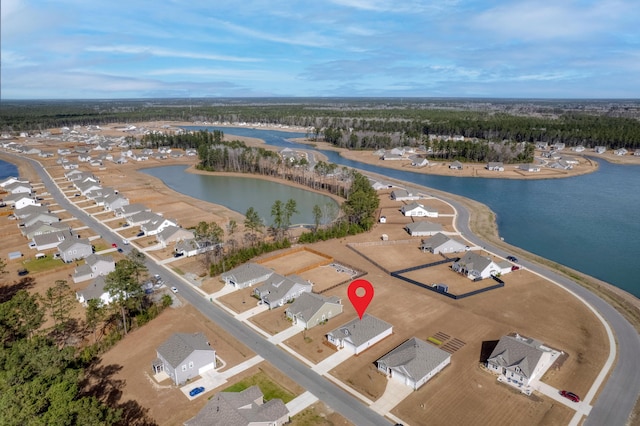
(360, 301)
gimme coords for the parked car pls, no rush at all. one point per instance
(124, 225)
(140, 234)
(125, 242)
(512, 259)
(22, 272)
(570, 395)
(120, 250)
(114, 245)
(178, 254)
(196, 391)
(515, 267)
(173, 289)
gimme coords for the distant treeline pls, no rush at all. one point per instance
(357, 126)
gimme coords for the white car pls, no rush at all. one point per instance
(173, 289)
(125, 242)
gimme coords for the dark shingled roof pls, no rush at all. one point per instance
(179, 346)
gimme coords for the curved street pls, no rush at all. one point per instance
(612, 407)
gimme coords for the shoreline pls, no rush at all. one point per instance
(481, 221)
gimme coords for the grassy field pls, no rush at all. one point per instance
(270, 389)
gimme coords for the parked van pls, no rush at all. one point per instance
(40, 255)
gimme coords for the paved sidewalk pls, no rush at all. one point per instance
(244, 316)
(301, 402)
(553, 393)
(285, 334)
(393, 395)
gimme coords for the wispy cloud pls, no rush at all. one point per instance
(155, 51)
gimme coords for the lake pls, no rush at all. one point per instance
(589, 223)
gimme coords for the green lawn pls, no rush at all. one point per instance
(39, 265)
(270, 389)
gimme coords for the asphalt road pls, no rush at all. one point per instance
(336, 398)
(622, 389)
(613, 406)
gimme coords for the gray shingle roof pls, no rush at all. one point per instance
(239, 409)
(517, 351)
(180, 345)
(424, 226)
(246, 272)
(95, 289)
(473, 261)
(358, 331)
(68, 243)
(414, 358)
(307, 304)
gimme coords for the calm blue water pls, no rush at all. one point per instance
(240, 193)
(7, 170)
(590, 223)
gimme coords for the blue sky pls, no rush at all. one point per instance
(68, 49)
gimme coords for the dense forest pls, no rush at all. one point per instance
(361, 123)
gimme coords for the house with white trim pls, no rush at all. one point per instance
(50, 240)
(529, 167)
(20, 200)
(440, 243)
(475, 267)
(310, 309)
(413, 363)
(74, 249)
(520, 359)
(95, 265)
(359, 335)
(277, 290)
(403, 195)
(95, 290)
(416, 209)
(246, 275)
(495, 166)
(173, 234)
(157, 225)
(184, 356)
(423, 228)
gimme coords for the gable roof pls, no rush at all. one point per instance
(359, 331)
(239, 409)
(95, 289)
(423, 226)
(70, 242)
(307, 304)
(246, 272)
(517, 351)
(473, 261)
(180, 345)
(415, 358)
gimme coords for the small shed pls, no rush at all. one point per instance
(15, 255)
(385, 237)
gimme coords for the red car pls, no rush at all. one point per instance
(570, 395)
(114, 245)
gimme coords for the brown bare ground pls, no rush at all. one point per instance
(312, 344)
(272, 321)
(319, 414)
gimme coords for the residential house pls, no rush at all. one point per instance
(529, 167)
(621, 151)
(477, 267)
(246, 275)
(578, 148)
(157, 225)
(389, 156)
(141, 218)
(50, 240)
(19, 200)
(173, 234)
(559, 146)
(496, 166)
(414, 362)
(418, 161)
(95, 290)
(95, 265)
(27, 211)
(184, 356)
(85, 187)
(131, 209)
(423, 228)
(442, 244)
(311, 309)
(40, 228)
(418, 210)
(11, 179)
(519, 359)
(403, 195)
(244, 408)
(636, 153)
(19, 188)
(360, 334)
(456, 165)
(278, 290)
(74, 249)
(43, 217)
(191, 247)
(114, 201)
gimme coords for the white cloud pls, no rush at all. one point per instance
(309, 39)
(150, 50)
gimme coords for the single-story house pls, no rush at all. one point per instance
(27, 211)
(95, 290)
(496, 166)
(423, 228)
(360, 334)
(19, 200)
(192, 247)
(600, 149)
(403, 195)
(246, 275)
(519, 359)
(278, 290)
(74, 248)
(311, 309)
(418, 161)
(172, 234)
(414, 362)
(184, 356)
(418, 210)
(456, 165)
(40, 228)
(95, 265)
(475, 266)
(442, 244)
(621, 151)
(131, 209)
(244, 408)
(529, 167)
(51, 240)
(157, 225)
(115, 201)
(39, 217)
(10, 180)
(19, 188)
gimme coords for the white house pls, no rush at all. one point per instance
(95, 265)
(519, 359)
(359, 334)
(50, 240)
(74, 248)
(184, 356)
(403, 195)
(95, 290)
(246, 275)
(529, 167)
(423, 228)
(418, 210)
(311, 309)
(496, 166)
(475, 266)
(414, 362)
(20, 200)
(278, 290)
(173, 234)
(157, 225)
